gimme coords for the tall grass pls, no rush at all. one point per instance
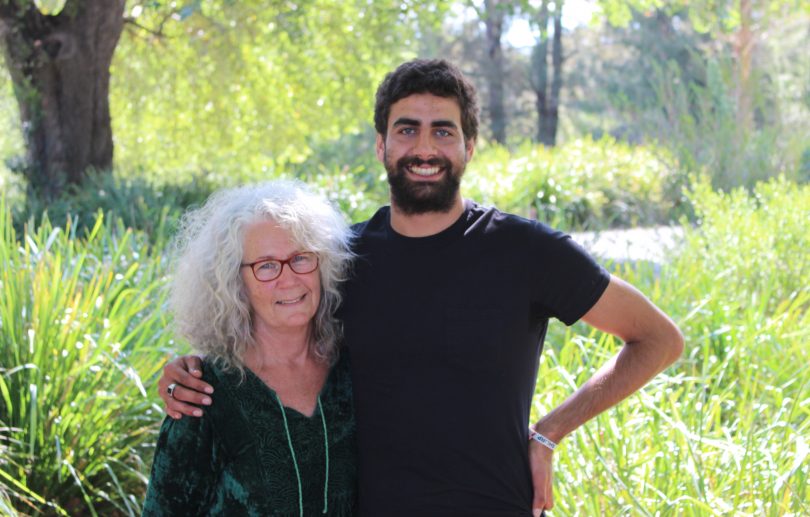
(725, 430)
(82, 334)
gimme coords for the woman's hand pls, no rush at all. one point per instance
(185, 372)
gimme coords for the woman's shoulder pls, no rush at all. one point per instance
(215, 373)
(230, 390)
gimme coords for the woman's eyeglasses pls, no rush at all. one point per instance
(266, 270)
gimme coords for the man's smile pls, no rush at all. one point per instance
(424, 171)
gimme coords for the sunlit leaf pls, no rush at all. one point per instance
(50, 7)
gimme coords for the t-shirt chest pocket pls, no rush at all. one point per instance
(474, 338)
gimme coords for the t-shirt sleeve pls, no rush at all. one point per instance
(568, 281)
(183, 474)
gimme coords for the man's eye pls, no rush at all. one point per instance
(408, 131)
(442, 132)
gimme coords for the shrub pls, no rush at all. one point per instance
(131, 199)
(82, 333)
(583, 184)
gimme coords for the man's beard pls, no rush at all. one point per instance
(418, 197)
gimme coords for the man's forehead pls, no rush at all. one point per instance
(425, 108)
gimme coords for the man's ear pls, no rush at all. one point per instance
(469, 146)
(380, 147)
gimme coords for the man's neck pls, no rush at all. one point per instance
(425, 224)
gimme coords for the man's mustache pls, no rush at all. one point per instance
(410, 161)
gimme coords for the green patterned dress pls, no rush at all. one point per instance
(237, 459)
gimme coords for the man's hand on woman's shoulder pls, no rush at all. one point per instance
(189, 392)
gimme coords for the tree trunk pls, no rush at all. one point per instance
(494, 18)
(552, 116)
(539, 76)
(744, 48)
(60, 69)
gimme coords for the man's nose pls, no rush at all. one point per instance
(424, 147)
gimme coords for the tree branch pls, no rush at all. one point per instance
(132, 21)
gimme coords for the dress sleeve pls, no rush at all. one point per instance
(183, 472)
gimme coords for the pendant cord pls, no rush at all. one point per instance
(326, 453)
(295, 460)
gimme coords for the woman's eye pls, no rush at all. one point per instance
(268, 266)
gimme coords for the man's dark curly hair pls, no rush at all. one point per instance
(434, 76)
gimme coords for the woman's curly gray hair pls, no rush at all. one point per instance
(208, 298)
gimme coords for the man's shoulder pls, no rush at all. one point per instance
(376, 225)
(375, 222)
(493, 220)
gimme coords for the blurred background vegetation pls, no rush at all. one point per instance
(595, 115)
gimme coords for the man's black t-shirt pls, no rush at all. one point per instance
(445, 334)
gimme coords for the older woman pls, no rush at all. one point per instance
(255, 290)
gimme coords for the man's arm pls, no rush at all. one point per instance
(651, 343)
(185, 371)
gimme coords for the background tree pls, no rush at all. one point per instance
(547, 92)
(253, 89)
(202, 86)
(464, 40)
(494, 13)
(58, 56)
(737, 124)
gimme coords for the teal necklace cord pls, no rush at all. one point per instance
(326, 453)
(295, 461)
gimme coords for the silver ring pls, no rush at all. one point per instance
(170, 389)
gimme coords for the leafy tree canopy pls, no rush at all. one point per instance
(707, 16)
(242, 88)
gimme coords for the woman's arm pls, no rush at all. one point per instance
(184, 471)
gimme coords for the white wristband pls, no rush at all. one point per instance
(539, 438)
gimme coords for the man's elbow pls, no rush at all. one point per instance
(674, 344)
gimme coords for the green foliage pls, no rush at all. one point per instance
(50, 7)
(756, 242)
(82, 333)
(131, 200)
(724, 431)
(700, 125)
(581, 184)
(677, 76)
(11, 146)
(355, 191)
(347, 172)
(717, 16)
(244, 89)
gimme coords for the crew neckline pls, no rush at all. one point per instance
(454, 229)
